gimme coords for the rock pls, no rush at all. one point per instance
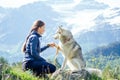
(68, 75)
(6, 76)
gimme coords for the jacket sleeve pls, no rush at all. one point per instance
(44, 48)
(33, 47)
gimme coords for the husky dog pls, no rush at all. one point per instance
(71, 50)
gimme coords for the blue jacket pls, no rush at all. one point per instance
(33, 47)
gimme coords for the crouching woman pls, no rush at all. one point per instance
(31, 48)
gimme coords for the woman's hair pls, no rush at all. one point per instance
(36, 25)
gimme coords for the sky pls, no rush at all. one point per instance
(80, 19)
(18, 3)
(15, 3)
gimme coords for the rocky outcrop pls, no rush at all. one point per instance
(68, 75)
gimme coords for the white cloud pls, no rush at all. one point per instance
(15, 3)
(84, 19)
(111, 3)
(110, 14)
(66, 5)
(79, 20)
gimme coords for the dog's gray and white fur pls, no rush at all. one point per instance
(72, 52)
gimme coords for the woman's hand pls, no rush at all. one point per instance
(51, 44)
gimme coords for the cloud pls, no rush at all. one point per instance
(82, 14)
(64, 5)
(78, 19)
(16, 3)
(111, 14)
(111, 3)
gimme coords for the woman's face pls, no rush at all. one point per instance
(41, 30)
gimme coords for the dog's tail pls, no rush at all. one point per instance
(95, 71)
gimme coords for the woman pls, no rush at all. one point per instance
(32, 48)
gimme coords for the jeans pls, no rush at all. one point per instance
(38, 67)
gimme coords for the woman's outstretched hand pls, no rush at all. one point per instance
(51, 44)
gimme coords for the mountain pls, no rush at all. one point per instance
(105, 31)
(15, 24)
(98, 37)
(112, 49)
(92, 5)
(11, 58)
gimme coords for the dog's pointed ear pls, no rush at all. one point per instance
(60, 27)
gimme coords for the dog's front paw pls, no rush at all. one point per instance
(56, 73)
(59, 70)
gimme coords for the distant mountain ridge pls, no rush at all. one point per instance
(112, 49)
(15, 24)
(102, 34)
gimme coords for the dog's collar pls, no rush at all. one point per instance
(66, 40)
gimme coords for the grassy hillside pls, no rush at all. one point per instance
(106, 58)
(14, 72)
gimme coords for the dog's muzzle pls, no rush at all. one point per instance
(55, 36)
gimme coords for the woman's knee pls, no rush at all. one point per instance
(52, 68)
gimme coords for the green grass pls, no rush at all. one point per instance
(22, 75)
(16, 73)
(111, 71)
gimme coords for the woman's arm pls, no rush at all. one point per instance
(44, 48)
(47, 46)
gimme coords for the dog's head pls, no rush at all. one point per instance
(62, 33)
